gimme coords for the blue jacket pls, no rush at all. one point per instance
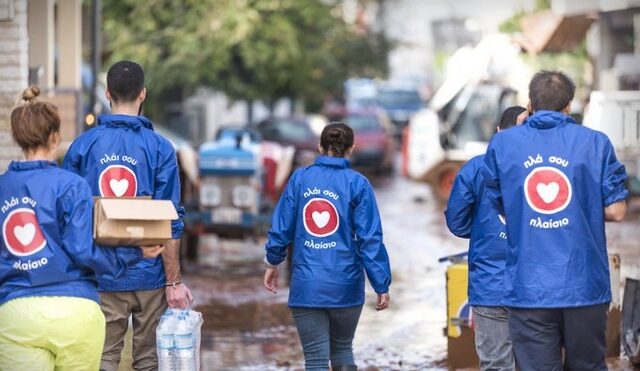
(469, 214)
(124, 156)
(553, 179)
(47, 247)
(329, 213)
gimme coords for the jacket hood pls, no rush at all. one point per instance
(339, 162)
(30, 165)
(126, 121)
(548, 119)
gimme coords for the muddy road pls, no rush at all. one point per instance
(247, 328)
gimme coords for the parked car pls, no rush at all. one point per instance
(296, 132)
(334, 108)
(360, 93)
(400, 103)
(374, 144)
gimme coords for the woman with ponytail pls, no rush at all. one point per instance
(49, 313)
(328, 212)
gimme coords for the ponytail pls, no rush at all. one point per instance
(336, 138)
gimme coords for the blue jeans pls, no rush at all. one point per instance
(493, 343)
(326, 334)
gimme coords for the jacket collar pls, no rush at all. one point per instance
(30, 165)
(125, 121)
(339, 162)
(548, 119)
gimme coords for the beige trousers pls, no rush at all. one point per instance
(145, 308)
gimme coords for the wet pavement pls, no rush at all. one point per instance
(248, 328)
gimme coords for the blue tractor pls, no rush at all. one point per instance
(230, 201)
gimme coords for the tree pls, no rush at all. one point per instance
(249, 49)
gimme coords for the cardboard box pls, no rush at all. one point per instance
(132, 221)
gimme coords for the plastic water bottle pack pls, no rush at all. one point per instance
(178, 340)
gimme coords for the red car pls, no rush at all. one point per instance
(375, 146)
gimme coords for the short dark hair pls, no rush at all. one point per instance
(125, 81)
(336, 137)
(551, 91)
(510, 116)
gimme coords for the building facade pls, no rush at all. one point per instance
(40, 43)
(14, 70)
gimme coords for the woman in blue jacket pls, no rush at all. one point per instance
(49, 313)
(328, 212)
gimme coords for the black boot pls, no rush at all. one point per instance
(344, 368)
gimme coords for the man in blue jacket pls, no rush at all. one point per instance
(556, 183)
(469, 214)
(124, 157)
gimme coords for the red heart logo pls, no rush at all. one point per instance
(22, 234)
(320, 217)
(118, 181)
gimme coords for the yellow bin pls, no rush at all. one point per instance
(461, 351)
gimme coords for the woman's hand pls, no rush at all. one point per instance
(383, 301)
(151, 251)
(271, 279)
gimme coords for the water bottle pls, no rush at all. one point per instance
(178, 340)
(195, 323)
(165, 341)
(185, 344)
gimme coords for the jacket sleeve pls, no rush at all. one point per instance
(167, 186)
(368, 231)
(491, 175)
(460, 206)
(77, 239)
(71, 160)
(283, 223)
(613, 177)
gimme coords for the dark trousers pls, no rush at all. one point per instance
(538, 336)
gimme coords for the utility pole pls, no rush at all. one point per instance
(96, 20)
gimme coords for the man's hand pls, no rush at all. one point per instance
(178, 296)
(271, 279)
(383, 301)
(151, 251)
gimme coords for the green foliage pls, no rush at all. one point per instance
(543, 4)
(249, 49)
(512, 25)
(575, 64)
